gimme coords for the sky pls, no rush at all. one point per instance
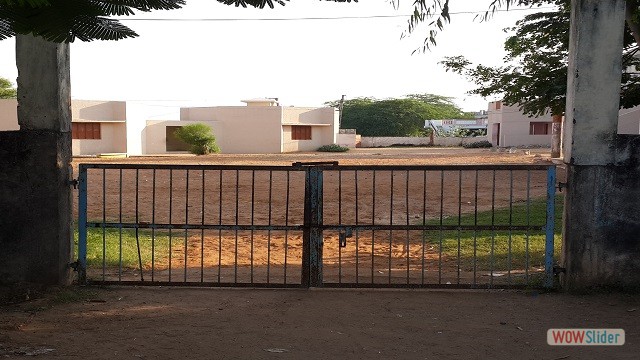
(302, 62)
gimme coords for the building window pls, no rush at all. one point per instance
(498, 105)
(539, 128)
(84, 131)
(173, 143)
(300, 132)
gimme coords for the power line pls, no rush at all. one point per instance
(322, 18)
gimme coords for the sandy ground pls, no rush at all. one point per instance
(260, 198)
(180, 323)
(177, 323)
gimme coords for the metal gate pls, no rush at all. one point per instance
(317, 224)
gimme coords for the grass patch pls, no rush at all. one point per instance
(499, 250)
(115, 247)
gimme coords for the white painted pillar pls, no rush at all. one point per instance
(601, 230)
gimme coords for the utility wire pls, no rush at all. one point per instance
(323, 18)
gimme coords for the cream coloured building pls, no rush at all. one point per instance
(132, 128)
(508, 126)
(260, 127)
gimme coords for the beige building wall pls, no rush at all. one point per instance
(241, 129)
(110, 115)
(92, 110)
(156, 135)
(629, 121)
(320, 135)
(9, 115)
(113, 140)
(324, 127)
(514, 127)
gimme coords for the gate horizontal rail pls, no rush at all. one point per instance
(317, 224)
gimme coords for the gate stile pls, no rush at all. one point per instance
(457, 226)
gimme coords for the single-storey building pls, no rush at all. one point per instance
(262, 126)
(508, 126)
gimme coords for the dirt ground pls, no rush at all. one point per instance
(260, 198)
(180, 323)
(204, 323)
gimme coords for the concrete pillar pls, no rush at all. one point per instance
(35, 193)
(602, 204)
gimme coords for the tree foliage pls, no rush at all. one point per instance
(535, 74)
(434, 14)
(86, 20)
(7, 91)
(397, 117)
(200, 137)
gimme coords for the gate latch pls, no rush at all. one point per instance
(74, 265)
(561, 185)
(343, 235)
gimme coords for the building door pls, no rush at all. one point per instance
(496, 135)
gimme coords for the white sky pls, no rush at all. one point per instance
(302, 62)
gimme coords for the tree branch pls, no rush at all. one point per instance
(631, 17)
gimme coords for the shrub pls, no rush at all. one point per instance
(200, 138)
(478, 144)
(333, 148)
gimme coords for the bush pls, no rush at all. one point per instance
(200, 138)
(478, 144)
(333, 148)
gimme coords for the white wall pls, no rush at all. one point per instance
(457, 141)
(137, 115)
(349, 140)
(370, 142)
(378, 141)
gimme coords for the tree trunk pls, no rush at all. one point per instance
(556, 136)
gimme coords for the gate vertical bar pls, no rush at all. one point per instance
(312, 235)
(82, 225)
(550, 226)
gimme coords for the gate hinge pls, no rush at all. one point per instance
(561, 185)
(74, 183)
(74, 265)
(559, 270)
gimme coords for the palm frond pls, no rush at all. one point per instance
(88, 28)
(255, 3)
(143, 5)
